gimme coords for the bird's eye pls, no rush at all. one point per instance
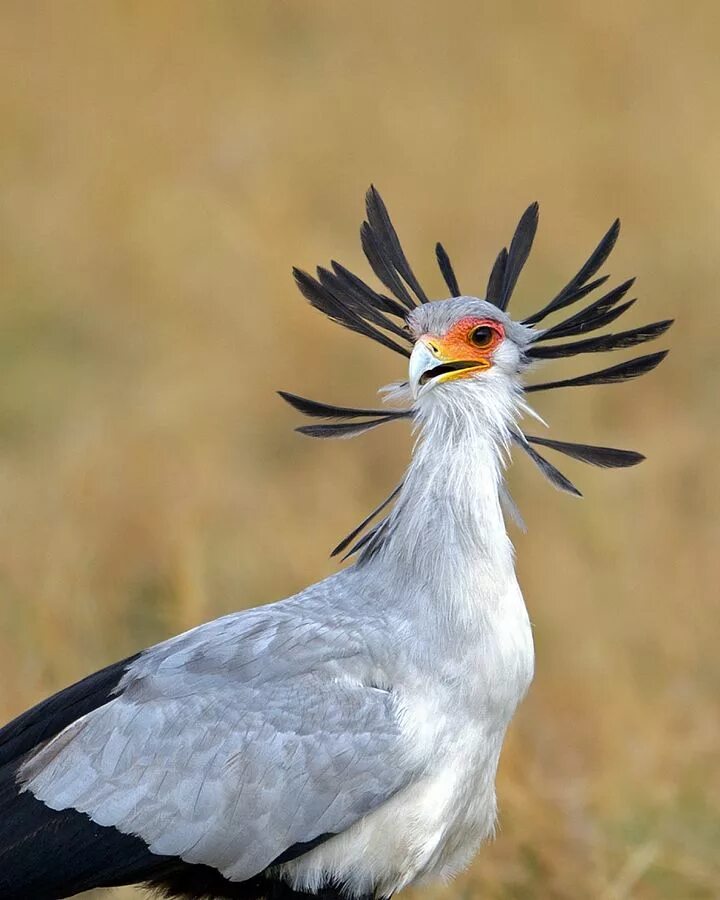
(482, 336)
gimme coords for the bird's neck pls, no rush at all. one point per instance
(447, 531)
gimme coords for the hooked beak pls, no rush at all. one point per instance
(431, 363)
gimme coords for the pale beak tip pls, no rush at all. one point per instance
(421, 361)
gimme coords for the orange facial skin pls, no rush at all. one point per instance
(472, 340)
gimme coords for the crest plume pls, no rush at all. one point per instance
(350, 301)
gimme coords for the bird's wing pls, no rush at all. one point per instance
(232, 744)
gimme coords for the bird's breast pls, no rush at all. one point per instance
(456, 718)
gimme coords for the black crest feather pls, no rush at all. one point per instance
(554, 475)
(338, 308)
(343, 429)
(357, 287)
(586, 318)
(348, 300)
(577, 288)
(364, 305)
(371, 541)
(596, 321)
(446, 269)
(317, 410)
(632, 368)
(380, 235)
(378, 263)
(604, 457)
(605, 342)
(494, 290)
(509, 264)
(346, 541)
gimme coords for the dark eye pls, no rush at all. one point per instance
(482, 336)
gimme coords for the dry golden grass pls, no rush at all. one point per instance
(163, 164)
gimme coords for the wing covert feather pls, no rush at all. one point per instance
(233, 742)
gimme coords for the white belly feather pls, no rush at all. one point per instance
(433, 828)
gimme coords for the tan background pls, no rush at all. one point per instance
(164, 164)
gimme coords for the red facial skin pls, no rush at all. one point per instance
(457, 345)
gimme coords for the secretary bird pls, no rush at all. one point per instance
(341, 743)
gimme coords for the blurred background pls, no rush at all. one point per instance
(162, 167)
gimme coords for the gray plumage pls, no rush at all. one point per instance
(365, 715)
(231, 743)
(389, 682)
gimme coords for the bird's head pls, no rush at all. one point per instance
(466, 355)
(464, 342)
(465, 370)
